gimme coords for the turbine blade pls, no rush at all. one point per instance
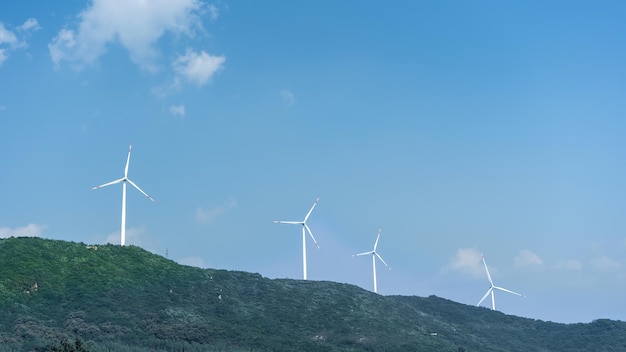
(364, 253)
(487, 270)
(311, 233)
(509, 291)
(288, 222)
(109, 183)
(310, 211)
(485, 296)
(139, 189)
(127, 161)
(382, 260)
(377, 238)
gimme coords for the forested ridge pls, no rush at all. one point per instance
(112, 298)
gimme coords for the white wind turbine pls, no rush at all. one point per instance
(123, 180)
(492, 288)
(374, 256)
(305, 228)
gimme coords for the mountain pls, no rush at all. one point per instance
(114, 298)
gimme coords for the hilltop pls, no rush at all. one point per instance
(127, 299)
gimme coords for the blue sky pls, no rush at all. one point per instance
(458, 127)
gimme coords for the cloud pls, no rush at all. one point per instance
(177, 110)
(214, 12)
(207, 216)
(31, 25)
(526, 257)
(3, 56)
(65, 39)
(571, 264)
(164, 90)
(192, 261)
(134, 236)
(288, 97)
(30, 230)
(10, 42)
(135, 24)
(197, 67)
(193, 67)
(6, 36)
(605, 263)
(468, 261)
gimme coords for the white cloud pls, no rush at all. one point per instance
(526, 257)
(214, 12)
(571, 264)
(31, 24)
(193, 67)
(288, 97)
(134, 236)
(30, 230)
(468, 261)
(164, 90)
(192, 261)
(605, 263)
(9, 41)
(6, 36)
(64, 40)
(207, 216)
(197, 67)
(3, 56)
(177, 110)
(135, 24)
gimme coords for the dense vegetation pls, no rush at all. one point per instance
(112, 298)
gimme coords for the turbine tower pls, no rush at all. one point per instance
(492, 288)
(123, 180)
(374, 256)
(305, 228)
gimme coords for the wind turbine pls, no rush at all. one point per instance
(305, 228)
(492, 288)
(374, 256)
(123, 180)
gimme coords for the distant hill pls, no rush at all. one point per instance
(116, 298)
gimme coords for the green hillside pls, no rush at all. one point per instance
(116, 298)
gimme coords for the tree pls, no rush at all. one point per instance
(66, 346)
